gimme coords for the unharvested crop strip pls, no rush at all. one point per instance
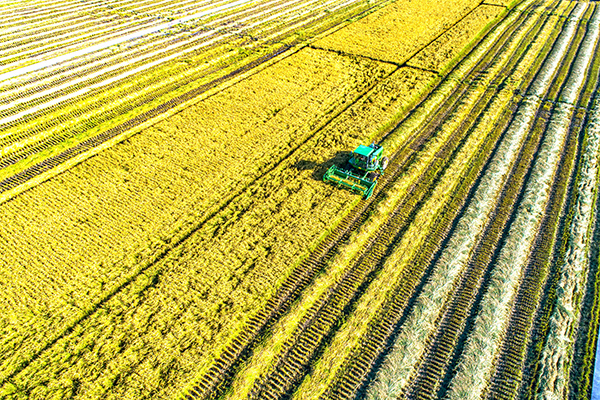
(198, 221)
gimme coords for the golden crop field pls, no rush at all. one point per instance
(167, 194)
(198, 254)
(66, 91)
(376, 36)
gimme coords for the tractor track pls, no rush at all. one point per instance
(217, 379)
(508, 375)
(513, 371)
(445, 348)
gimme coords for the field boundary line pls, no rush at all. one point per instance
(55, 165)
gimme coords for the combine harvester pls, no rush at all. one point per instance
(362, 170)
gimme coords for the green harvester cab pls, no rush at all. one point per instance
(361, 172)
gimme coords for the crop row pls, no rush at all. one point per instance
(127, 65)
(453, 260)
(488, 329)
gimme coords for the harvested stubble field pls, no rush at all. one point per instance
(200, 255)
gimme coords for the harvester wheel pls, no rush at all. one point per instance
(384, 163)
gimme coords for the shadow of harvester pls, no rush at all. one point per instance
(340, 159)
